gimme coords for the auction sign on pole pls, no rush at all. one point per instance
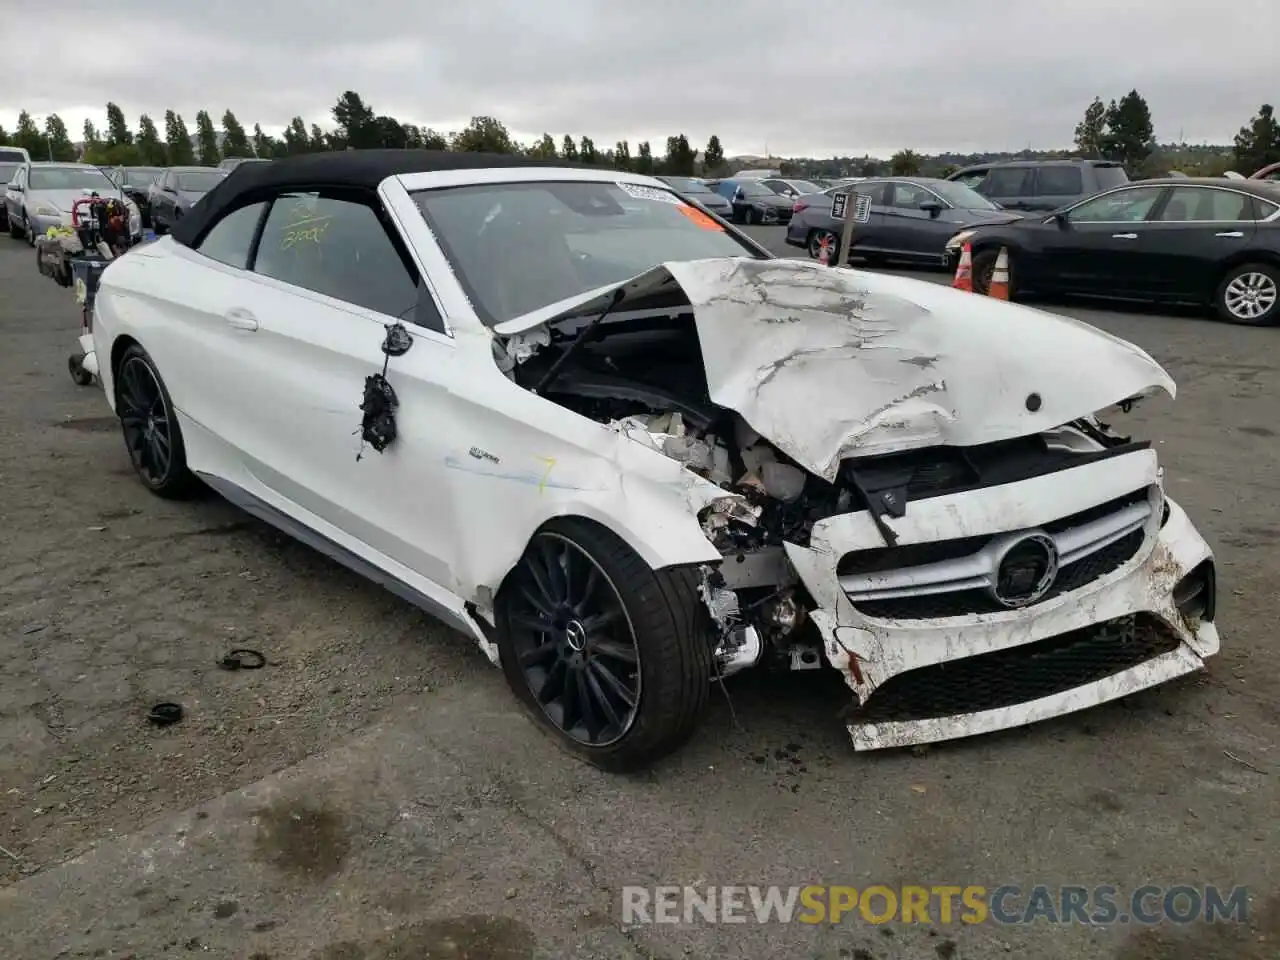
(841, 213)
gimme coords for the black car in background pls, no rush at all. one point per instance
(1193, 240)
(1041, 184)
(752, 201)
(912, 218)
(135, 183)
(176, 191)
(697, 190)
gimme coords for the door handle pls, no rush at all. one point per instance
(241, 319)
(1230, 233)
(1124, 236)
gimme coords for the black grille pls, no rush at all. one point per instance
(962, 602)
(991, 681)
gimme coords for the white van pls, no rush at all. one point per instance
(14, 155)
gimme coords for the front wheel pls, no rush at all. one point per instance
(611, 657)
(1250, 294)
(28, 231)
(152, 434)
(984, 268)
(817, 238)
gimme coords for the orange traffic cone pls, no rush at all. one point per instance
(824, 250)
(964, 270)
(999, 286)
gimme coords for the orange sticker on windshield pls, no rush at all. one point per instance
(700, 218)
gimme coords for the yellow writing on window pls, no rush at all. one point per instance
(309, 230)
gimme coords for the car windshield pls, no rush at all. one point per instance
(199, 182)
(958, 195)
(688, 185)
(754, 188)
(140, 176)
(69, 178)
(1109, 177)
(516, 247)
(806, 186)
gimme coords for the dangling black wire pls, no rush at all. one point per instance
(378, 426)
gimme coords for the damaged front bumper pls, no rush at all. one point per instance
(930, 656)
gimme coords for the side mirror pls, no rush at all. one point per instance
(931, 207)
(1060, 218)
(172, 190)
(17, 188)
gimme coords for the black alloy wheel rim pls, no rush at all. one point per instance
(147, 430)
(574, 642)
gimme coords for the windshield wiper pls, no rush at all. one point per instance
(577, 344)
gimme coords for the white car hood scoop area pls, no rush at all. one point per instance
(829, 364)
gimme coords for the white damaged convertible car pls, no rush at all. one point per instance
(610, 438)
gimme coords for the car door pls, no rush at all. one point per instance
(1190, 238)
(1011, 187)
(910, 231)
(1097, 249)
(328, 275)
(1056, 186)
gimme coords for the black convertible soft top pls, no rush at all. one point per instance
(341, 168)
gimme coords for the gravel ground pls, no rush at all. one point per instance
(373, 793)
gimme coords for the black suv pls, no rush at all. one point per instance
(1041, 184)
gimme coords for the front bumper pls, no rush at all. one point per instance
(929, 678)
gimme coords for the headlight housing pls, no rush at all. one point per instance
(960, 239)
(47, 210)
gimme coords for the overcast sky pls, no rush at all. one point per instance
(812, 79)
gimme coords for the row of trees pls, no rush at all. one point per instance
(357, 126)
(1119, 130)
(1122, 130)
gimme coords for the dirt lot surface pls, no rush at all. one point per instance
(373, 793)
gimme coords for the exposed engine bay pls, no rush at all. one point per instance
(642, 373)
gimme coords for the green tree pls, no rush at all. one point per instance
(587, 152)
(544, 149)
(434, 140)
(1258, 144)
(622, 155)
(390, 133)
(4, 137)
(118, 134)
(356, 121)
(484, 135)
(316, 141)
(180, 151)
(89, 134)
(59, 143)
(235, 142)
(680, 158)
(207, 140)
(28, 136)
(569, 149)
(644, 158)
(151, 150)
(1130, 137)
(1091, 131)
(263, 145)
(295, 137)
(713, 157)
(904, 163)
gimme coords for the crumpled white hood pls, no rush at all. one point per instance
(829, 364)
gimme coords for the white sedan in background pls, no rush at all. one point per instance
(630, 453)
(40, 196)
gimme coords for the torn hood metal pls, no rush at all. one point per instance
(830, 364)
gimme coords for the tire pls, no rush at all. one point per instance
(15, 229)
(657, 615)
(145, 410)
(1249, 295)
(814, 244)
(81, 376)
(157, 227)
(984, 266)
(28, 231)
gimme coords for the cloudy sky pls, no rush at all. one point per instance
(808, 79)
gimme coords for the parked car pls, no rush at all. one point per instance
(172, 194)
(756, 174)
(695, 189)
(793, 189)
(14, 155)
(1269, 172)
(230, 163)
(654, 453)
(136, 183)
(912, 218)
(752, 201)
(40, 196)
(1041, 184)
(8, 169)
(1193, 240)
